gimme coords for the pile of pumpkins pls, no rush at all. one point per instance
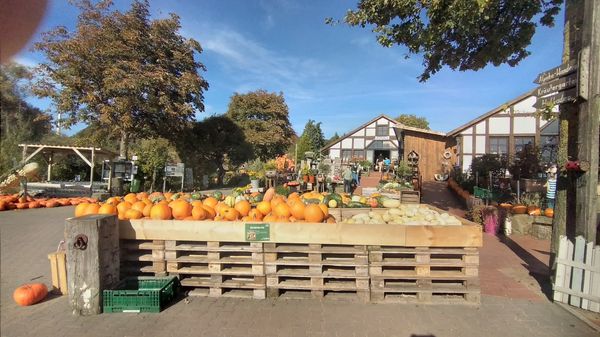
(16, 201)
(405, 214)
(531, 210)
(270, 207)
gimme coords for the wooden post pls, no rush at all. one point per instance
(50, 158)
(92, 244)
(92, 161)
(588, 123)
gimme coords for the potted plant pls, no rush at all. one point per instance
(256, 172)
(324, 170)
(533, 201)
(304, 172)
(311, 175)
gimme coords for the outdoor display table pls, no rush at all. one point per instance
(369, 262)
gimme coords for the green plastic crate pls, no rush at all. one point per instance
(140, 294)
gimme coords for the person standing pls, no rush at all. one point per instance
(347, 176)
(379, 162)
(354, 168)
(358, 173)
(551, 186)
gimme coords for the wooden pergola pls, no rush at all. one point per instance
(87, 154)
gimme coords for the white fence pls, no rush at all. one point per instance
(577, 279)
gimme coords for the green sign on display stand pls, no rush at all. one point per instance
(258, 232)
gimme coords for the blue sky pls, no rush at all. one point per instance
(336, 75)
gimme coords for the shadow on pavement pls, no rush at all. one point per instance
(537, 269)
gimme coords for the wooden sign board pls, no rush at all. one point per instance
(569, 95)
(556, 72)
(559, 84)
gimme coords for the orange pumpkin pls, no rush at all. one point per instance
(229, 213)
(519, 209)
(549, 212)
(142, 196)
(133, 214)
(123, 206)
(91, 209)
(255, 215)
(80, 209)
(138, 205)
(325, 209)
(243, 207)
(297, 209)
(264, 207)
(269, 194)
(2, 205)
(113, 201)
(197, 203)
(107, 209)
(282, 210)
(29, 294)
(131, 198)
(270, 218)
(147, 209)
(210, 212)
(198, 213)
(51, 203)
(161, 212)
(313, 213)
(168, 195)
(210, 202)
(22, 205)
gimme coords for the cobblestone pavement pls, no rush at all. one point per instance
(26, 237)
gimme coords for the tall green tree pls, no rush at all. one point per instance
(153, 155)
(461, 34)
(312, 138)
(217, 140)
(264, 120)
(19, 121)
(123, 71)
(414, 121)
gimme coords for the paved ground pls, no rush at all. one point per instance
(436, 193)
(512, 301)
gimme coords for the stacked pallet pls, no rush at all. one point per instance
(317, 271)
(142, 258)
(218, 269)
(424, 275)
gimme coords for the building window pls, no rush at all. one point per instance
(521, 142)
(548, 148)
(359, 155)
(498, 145)
(346, 155)
(382, 130)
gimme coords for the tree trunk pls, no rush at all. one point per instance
(153, 181)
(220, 174)
(571, 47)
(124, 145)
(586, 182)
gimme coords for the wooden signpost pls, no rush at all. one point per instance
(557, 85)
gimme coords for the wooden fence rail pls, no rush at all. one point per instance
(577, 280)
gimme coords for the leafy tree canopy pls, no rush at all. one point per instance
(312, 138)
(217, 140)
(413, 120)
(462, 34)
(153, 155)
(123, 71)
(264, 120)
(20, 122)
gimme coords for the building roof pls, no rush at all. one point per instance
(348, 134)
(491, 113)
(410, 128)
(45, 148)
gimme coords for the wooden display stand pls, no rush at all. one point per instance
(377, 262)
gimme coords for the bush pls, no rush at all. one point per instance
(527, 164)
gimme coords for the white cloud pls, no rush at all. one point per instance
(257, 66)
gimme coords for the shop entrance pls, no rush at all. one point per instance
(384, 154)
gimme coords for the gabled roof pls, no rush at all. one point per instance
(348, 134)
(411, 128)
(491, 113)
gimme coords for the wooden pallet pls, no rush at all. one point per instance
(142, 258)
(317, 271)
(424, 275)
(218, 269)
